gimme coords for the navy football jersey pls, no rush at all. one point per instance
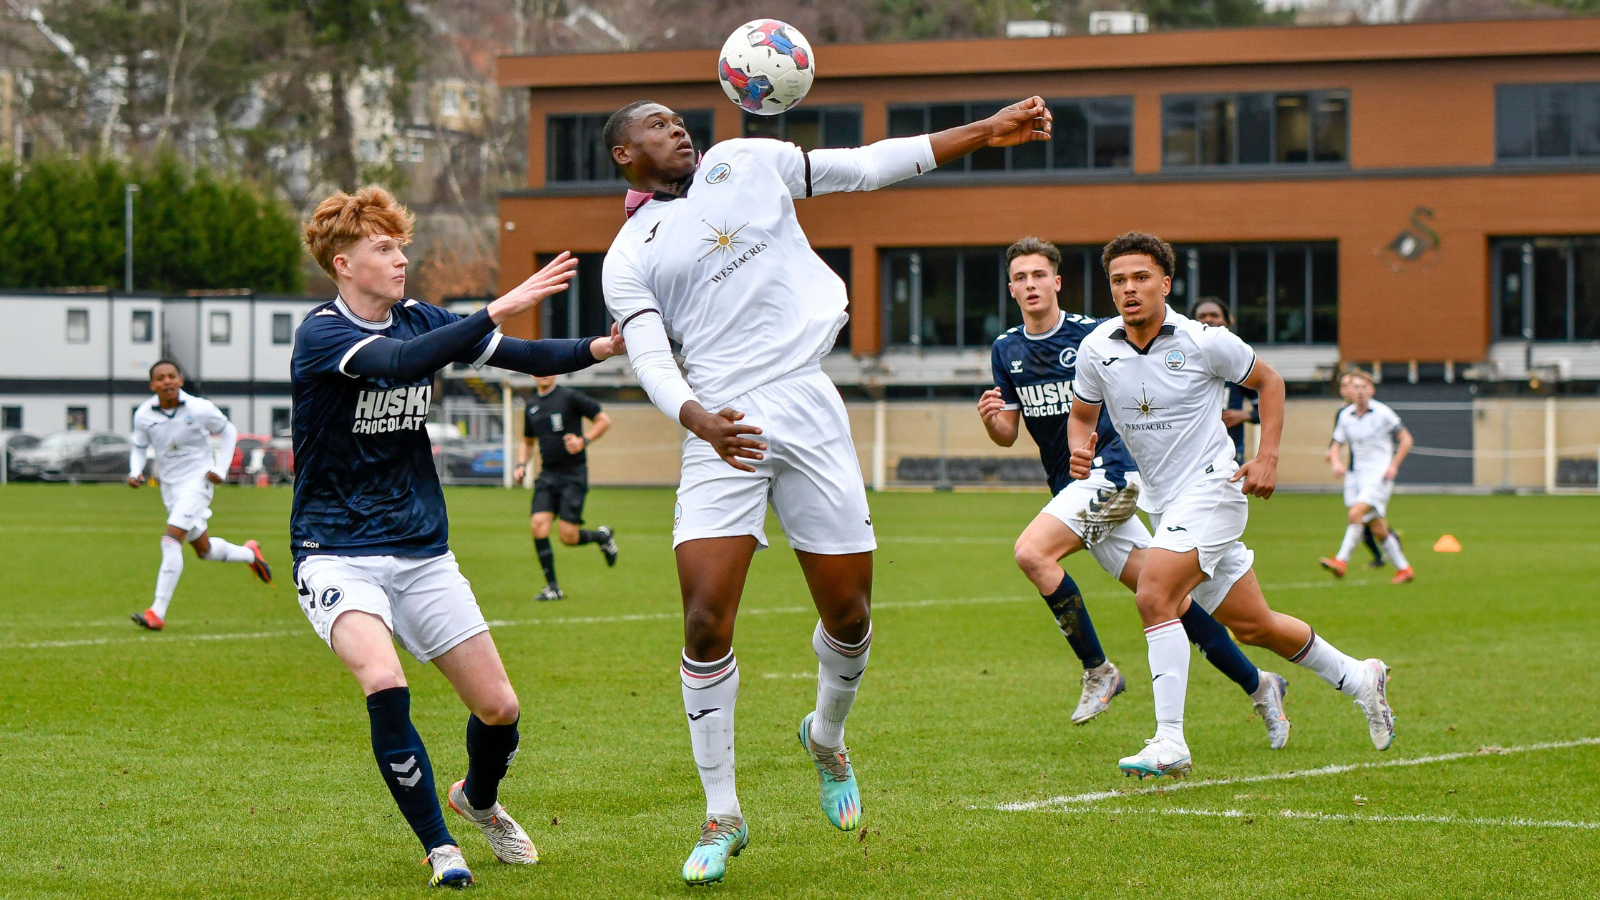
(1034, 373)
(365, 482)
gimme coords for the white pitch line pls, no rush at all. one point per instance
(1491, 821)
(1096, 796)
(95, 642)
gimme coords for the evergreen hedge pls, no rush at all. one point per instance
(61, 225)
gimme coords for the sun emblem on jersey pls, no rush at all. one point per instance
(1145, 405)
(723, 238)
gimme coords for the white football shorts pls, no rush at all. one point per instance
(188, 505)
(1208, 516)
(1370, 488)
(426, 602)
(1111, 551)
(810, 473)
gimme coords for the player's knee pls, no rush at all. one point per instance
(379, 678)
(569, 536)
(705, 626)
(1029, 558)
(1253, 632)
(502, 711)
(1357, 514)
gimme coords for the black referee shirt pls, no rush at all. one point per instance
(551, 416)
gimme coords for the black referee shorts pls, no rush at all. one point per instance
(562, 492)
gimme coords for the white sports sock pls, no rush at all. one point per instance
(1352, 537)
(222, 551)
(167, 577)
(1345, 673)
(839, 670)
(1391, 548)
(710, 691)
(1169, 671)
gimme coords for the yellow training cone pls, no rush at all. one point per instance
(1447, 544)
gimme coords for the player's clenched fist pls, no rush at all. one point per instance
(1083, 458)
(990, 404)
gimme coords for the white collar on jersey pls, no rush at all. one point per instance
(339, 304)
(1053, 328)
(183, 397)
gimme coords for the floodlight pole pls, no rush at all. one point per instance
(128, 191)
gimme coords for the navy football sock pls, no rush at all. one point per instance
(490, 749)
(403, 762)
(1072, 617)
(585, 536)
(547, 559)
(1217, 646)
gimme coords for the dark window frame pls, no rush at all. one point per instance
(1005, 161)
(148, 318)
(590, 166)
(1525, 283)
(1172, 113)
(1518, 113)
(11, 418)
(824, 114)
(1186, 292)
(287, 319)
(889, 257)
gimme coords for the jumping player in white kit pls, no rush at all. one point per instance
(713, 258)
(177, 427)
(1161, 377)
(1378, 443)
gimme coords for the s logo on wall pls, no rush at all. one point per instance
(1416, 247)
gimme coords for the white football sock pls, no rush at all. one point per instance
(710, 691)
(1391, 549)
(1169, 671)
(839, 670)
(1345, 673)
(1352, 537)
(222, 551)
(167, 577)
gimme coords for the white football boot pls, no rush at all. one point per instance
(511, 845)
(1100, 684)
(1160, 756)
(449, 867)
(1373, 700)
(1268, 700)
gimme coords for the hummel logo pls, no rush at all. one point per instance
(1176, 528)
(697, 716)
(851, 677)
(411, 766)
(652, 232)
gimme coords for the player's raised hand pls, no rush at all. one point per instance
(991, 404)
(725, 435)
(1260, 477)
(1083, 458)
(610, 345)
(1020, 123)
(552, 279)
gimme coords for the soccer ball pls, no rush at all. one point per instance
(766, 66)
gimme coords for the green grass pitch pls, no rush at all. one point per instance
(228, 756)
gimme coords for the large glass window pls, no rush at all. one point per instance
(945, 297)
(838, 259)
(1547, 289)
(77, 326)
(575, 149)
(810, 127)
(580, 310)
(220, 327)
(282, 328)
(1547, 122)
(1255, 129)
(141, 326)
(1276, 293)
(1089, 133)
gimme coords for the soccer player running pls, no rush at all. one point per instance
(553, 420)
(1378, 442)
(1162, 376)
(1033, 369)
(177, 426)
(713, 256)
(368, 526)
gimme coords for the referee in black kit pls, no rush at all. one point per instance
(554, 419)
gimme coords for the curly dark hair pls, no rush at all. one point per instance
(614, 132)
(1137, 242)
(1032, 246)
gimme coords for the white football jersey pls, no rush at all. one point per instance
(729, 269)
(1166, 399)
(180, 440)
(1371, 437)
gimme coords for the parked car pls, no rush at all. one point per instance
(459, 459)
(14, 442)
(75, 456)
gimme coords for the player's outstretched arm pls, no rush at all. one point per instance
(552, 356)
(421, 356)
(1260, 475)
(1018, 123)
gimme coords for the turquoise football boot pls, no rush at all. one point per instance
(841, 798)
(721, 837)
